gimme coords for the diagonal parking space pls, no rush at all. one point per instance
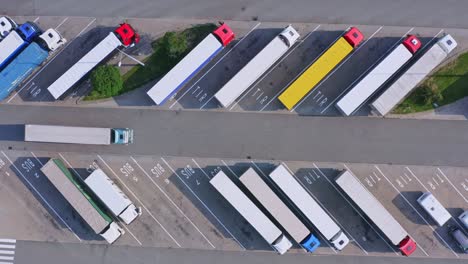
(396, 185)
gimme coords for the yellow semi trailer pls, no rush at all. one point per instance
(321, 68)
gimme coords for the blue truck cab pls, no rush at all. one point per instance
(122, 136)
(28, 31)
(310, 243)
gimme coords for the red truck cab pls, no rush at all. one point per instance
(224, 34)
(407, 246)
(127, 35)
(412, 43)
(354, 37)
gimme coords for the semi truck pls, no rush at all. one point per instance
(257, 66)
(6, 26)
(407, 82)
(320, 68)
(308, 207)
(378, 76)
(191, 64)
(251, 213)
(16, 41)
(279, 211)
(376, 212)
(28, 60)
(81, 201)
(124, 36)
(112, 196)
(78, 135)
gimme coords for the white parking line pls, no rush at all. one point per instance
(355, 209)
(42, 197)
(35, 20)
(328, 212)
(368, 69)
(7, 258)
(427, 223)
(229, 51)
(217, 219)
(7, 252)
(34, 155)
(8, 246)
(52, 59)
(112, 216)
(270, 70)
(140, 202)
(7, 240)
(61, 23)
(290, 205)
(459, 193)
(284, 88)
(173, 203)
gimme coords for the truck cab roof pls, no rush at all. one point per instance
(6, 25)
(127, 34)
(447, 43)
(353, 36)
(407, 246)
(412, 43)
(289, 35)
(28, 31)
(52, 39)
(224, 34)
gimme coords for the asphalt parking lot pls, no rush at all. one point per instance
(83, 33)
(182, 210)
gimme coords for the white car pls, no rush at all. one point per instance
(6, 26)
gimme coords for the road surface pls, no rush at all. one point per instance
(253, 135)
(46, 253)
(428, 13)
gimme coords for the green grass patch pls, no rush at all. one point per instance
(168, 51)
(444, 87)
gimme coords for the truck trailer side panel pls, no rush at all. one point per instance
(256, 67)
(20, 68)
(315, 73)
(373, 209)
(62, 179)
(250, 212)
(408, 81)
(84, 65)
(9, 47)
(309, 207)
(185, 69)
(67, 134)
(273, 204)
(373, 80)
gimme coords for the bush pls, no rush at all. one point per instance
(106, 82)
(174, 44)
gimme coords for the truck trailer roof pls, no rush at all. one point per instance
(67, 134)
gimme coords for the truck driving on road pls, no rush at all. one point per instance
(28, 60)
(283, 215)
(257, 66)
(413, 76)
(319, 69)
(6, 26)
(250, 212)
(309, 207)
(124, 35)
(78, 135)
(16, 41)
(191, 64)
(81, 201)
(375, 211)
(378, 76)
(112, 196)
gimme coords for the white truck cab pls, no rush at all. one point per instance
(52, 39)
(112, 232)
(434, 208)
(6, 26)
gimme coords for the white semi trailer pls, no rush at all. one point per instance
(81, 201)
(378, 76)
(307, 205)
(112, 196)
(375, 211)
(259, 221)
(257, 66)
(390, 98)
(278, 209)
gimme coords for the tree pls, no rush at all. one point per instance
(106, 81)
(175, 44)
